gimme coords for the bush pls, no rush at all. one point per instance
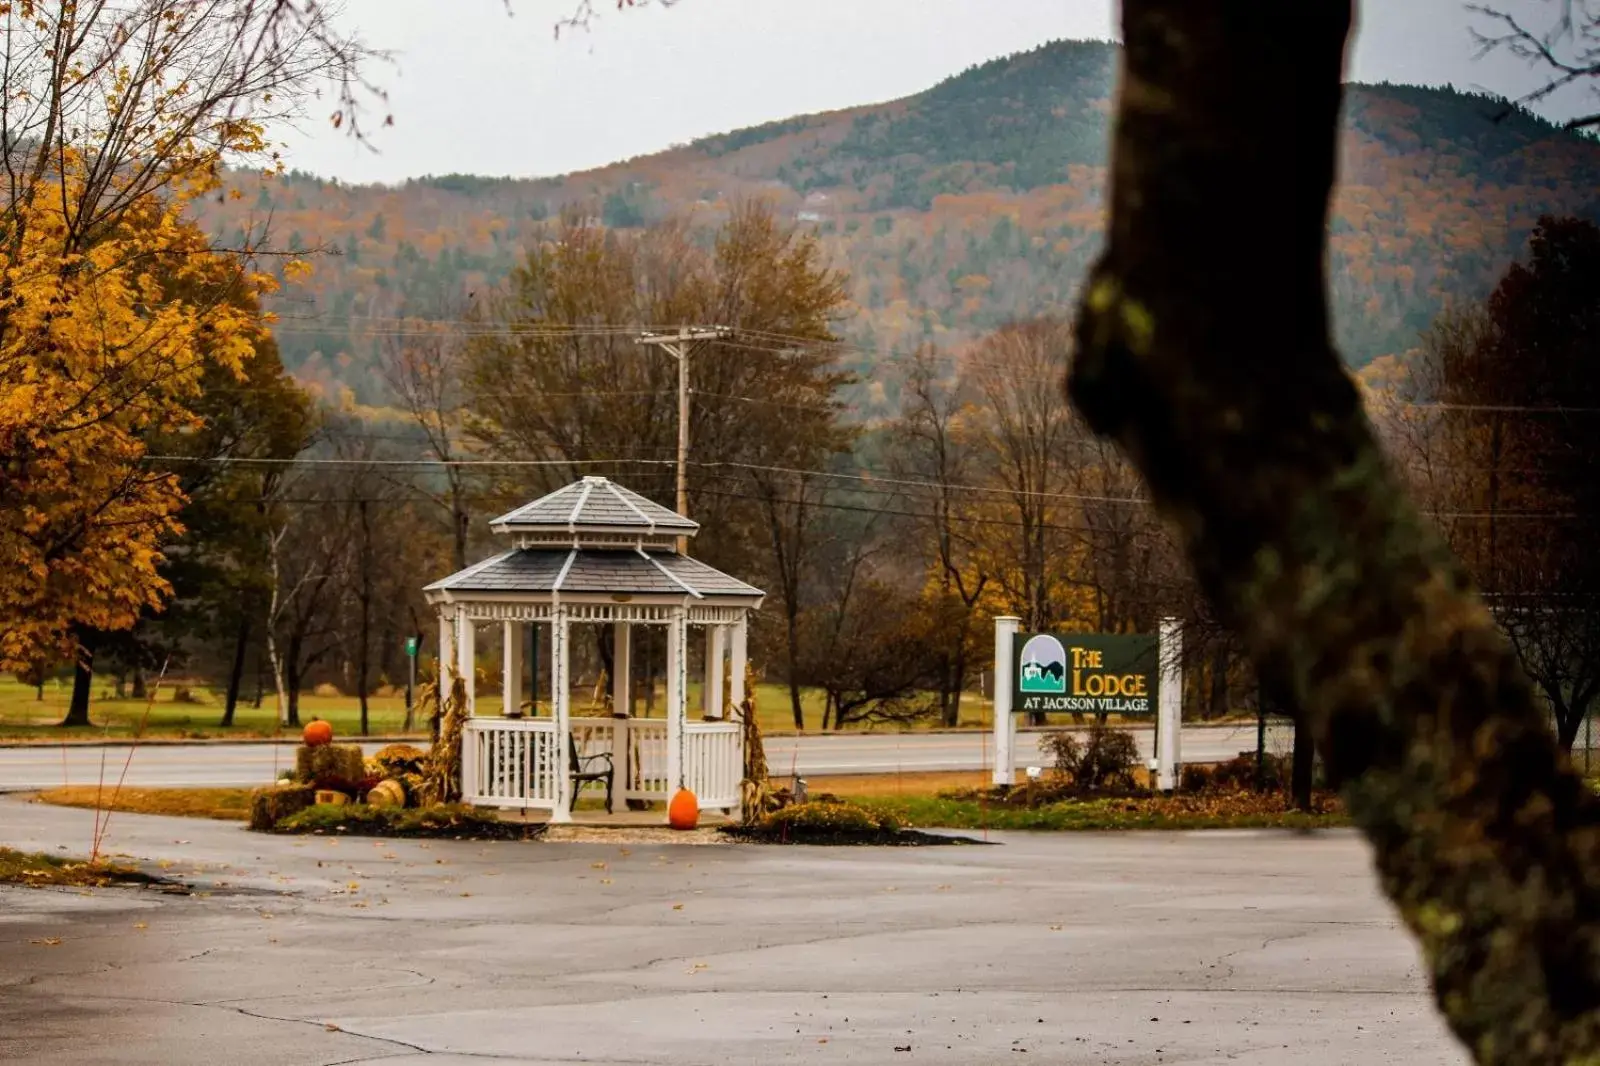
(831, 817)
(445, 820)
(1238, 774)
(1106, 760)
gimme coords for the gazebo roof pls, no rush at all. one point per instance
(595, 571)
(594, 505)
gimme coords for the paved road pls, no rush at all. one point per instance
(161, 765)
(1138, 948)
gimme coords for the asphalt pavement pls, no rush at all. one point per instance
(1254, 948)
(38, 766)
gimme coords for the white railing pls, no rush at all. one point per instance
(646, 777)
(714, 762)
(510, 762)
(517, 762)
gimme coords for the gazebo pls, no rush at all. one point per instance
(597, 554)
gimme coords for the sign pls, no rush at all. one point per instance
(411, 647)
(1086, 673)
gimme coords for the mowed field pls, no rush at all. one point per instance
(184, 710)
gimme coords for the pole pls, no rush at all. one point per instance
(679, 345)
(683, 442)
(1169, 706)
(1261, 737)
(411, 678)
(1005, 725)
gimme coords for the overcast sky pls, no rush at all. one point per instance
(476, 90)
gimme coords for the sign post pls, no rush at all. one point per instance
(1169, 720)
(412, 644)
(1005, 725)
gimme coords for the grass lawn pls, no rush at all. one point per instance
(25, 714)
(228, 804)
(1199, 811)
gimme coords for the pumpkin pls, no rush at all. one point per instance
(317, 733)
(684, 810)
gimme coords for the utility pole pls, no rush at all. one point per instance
(679, 345)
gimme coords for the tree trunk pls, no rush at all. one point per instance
(1217, 699)
(140, 690)
(120, 681)
(289, 671)
(952, 717)
(1303, 767)
(241, 644)
(1204, 350)
(364, 629)
(792, 650)
(82, 682)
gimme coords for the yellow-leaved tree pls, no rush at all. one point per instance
(115, 118)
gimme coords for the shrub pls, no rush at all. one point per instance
(1106, 760)
(830, 818)
(446, 820)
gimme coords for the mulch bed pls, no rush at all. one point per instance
(784, 835)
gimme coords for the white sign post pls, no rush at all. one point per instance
(1005, 726)
(1169, 708)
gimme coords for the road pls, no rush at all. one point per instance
(221, 765)
(1249, 948)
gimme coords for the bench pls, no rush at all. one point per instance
(580, 769)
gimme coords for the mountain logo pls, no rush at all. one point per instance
(1044, 666)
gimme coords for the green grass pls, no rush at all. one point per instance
(1179, 812)
(24, 715)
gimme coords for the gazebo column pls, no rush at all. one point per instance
(715, 650)
(677, 702)
(737, 653)
(560, 696)
(447, 647)
(511, 671)
(467, 657)
(621, 711)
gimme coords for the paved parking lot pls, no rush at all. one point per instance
(1140, 948)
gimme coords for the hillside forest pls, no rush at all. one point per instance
(334, 399)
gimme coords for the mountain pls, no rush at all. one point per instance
(954, 210)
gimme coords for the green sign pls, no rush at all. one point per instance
(411, 646)
(1086, 673)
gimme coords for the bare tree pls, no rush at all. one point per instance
(423, 366)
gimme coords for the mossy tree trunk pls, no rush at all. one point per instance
(1204, 350)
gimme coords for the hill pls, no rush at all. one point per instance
(954, 210)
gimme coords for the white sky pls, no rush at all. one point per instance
(477, 90)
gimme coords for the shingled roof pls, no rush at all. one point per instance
(595, 504)
(632, 572)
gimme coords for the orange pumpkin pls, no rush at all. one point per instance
(317, 733)
(684, 810)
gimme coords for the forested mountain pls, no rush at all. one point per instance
(974, 203)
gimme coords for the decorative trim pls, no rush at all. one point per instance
(670, 576)
(566, 567)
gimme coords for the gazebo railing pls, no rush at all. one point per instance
(714, 762)
(510, 762)
(517, 762)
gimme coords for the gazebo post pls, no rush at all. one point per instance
(737, 653)
(511, 670)
(715, 649)
(560, 695)
(622, 712)
(677, 685)
(447, 648)
(467, 656)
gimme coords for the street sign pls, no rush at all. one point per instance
(1086, 673)
(411, 646)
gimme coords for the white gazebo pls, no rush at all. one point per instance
(597, 554)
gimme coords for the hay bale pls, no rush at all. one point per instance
(269, 806)
(338, 765)
(331, 797)
(389, 793)
(397, 759)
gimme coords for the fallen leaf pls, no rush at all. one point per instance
(354, 886)
(47, 941)
(677, 906)
(597, 866)
(141, 925)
